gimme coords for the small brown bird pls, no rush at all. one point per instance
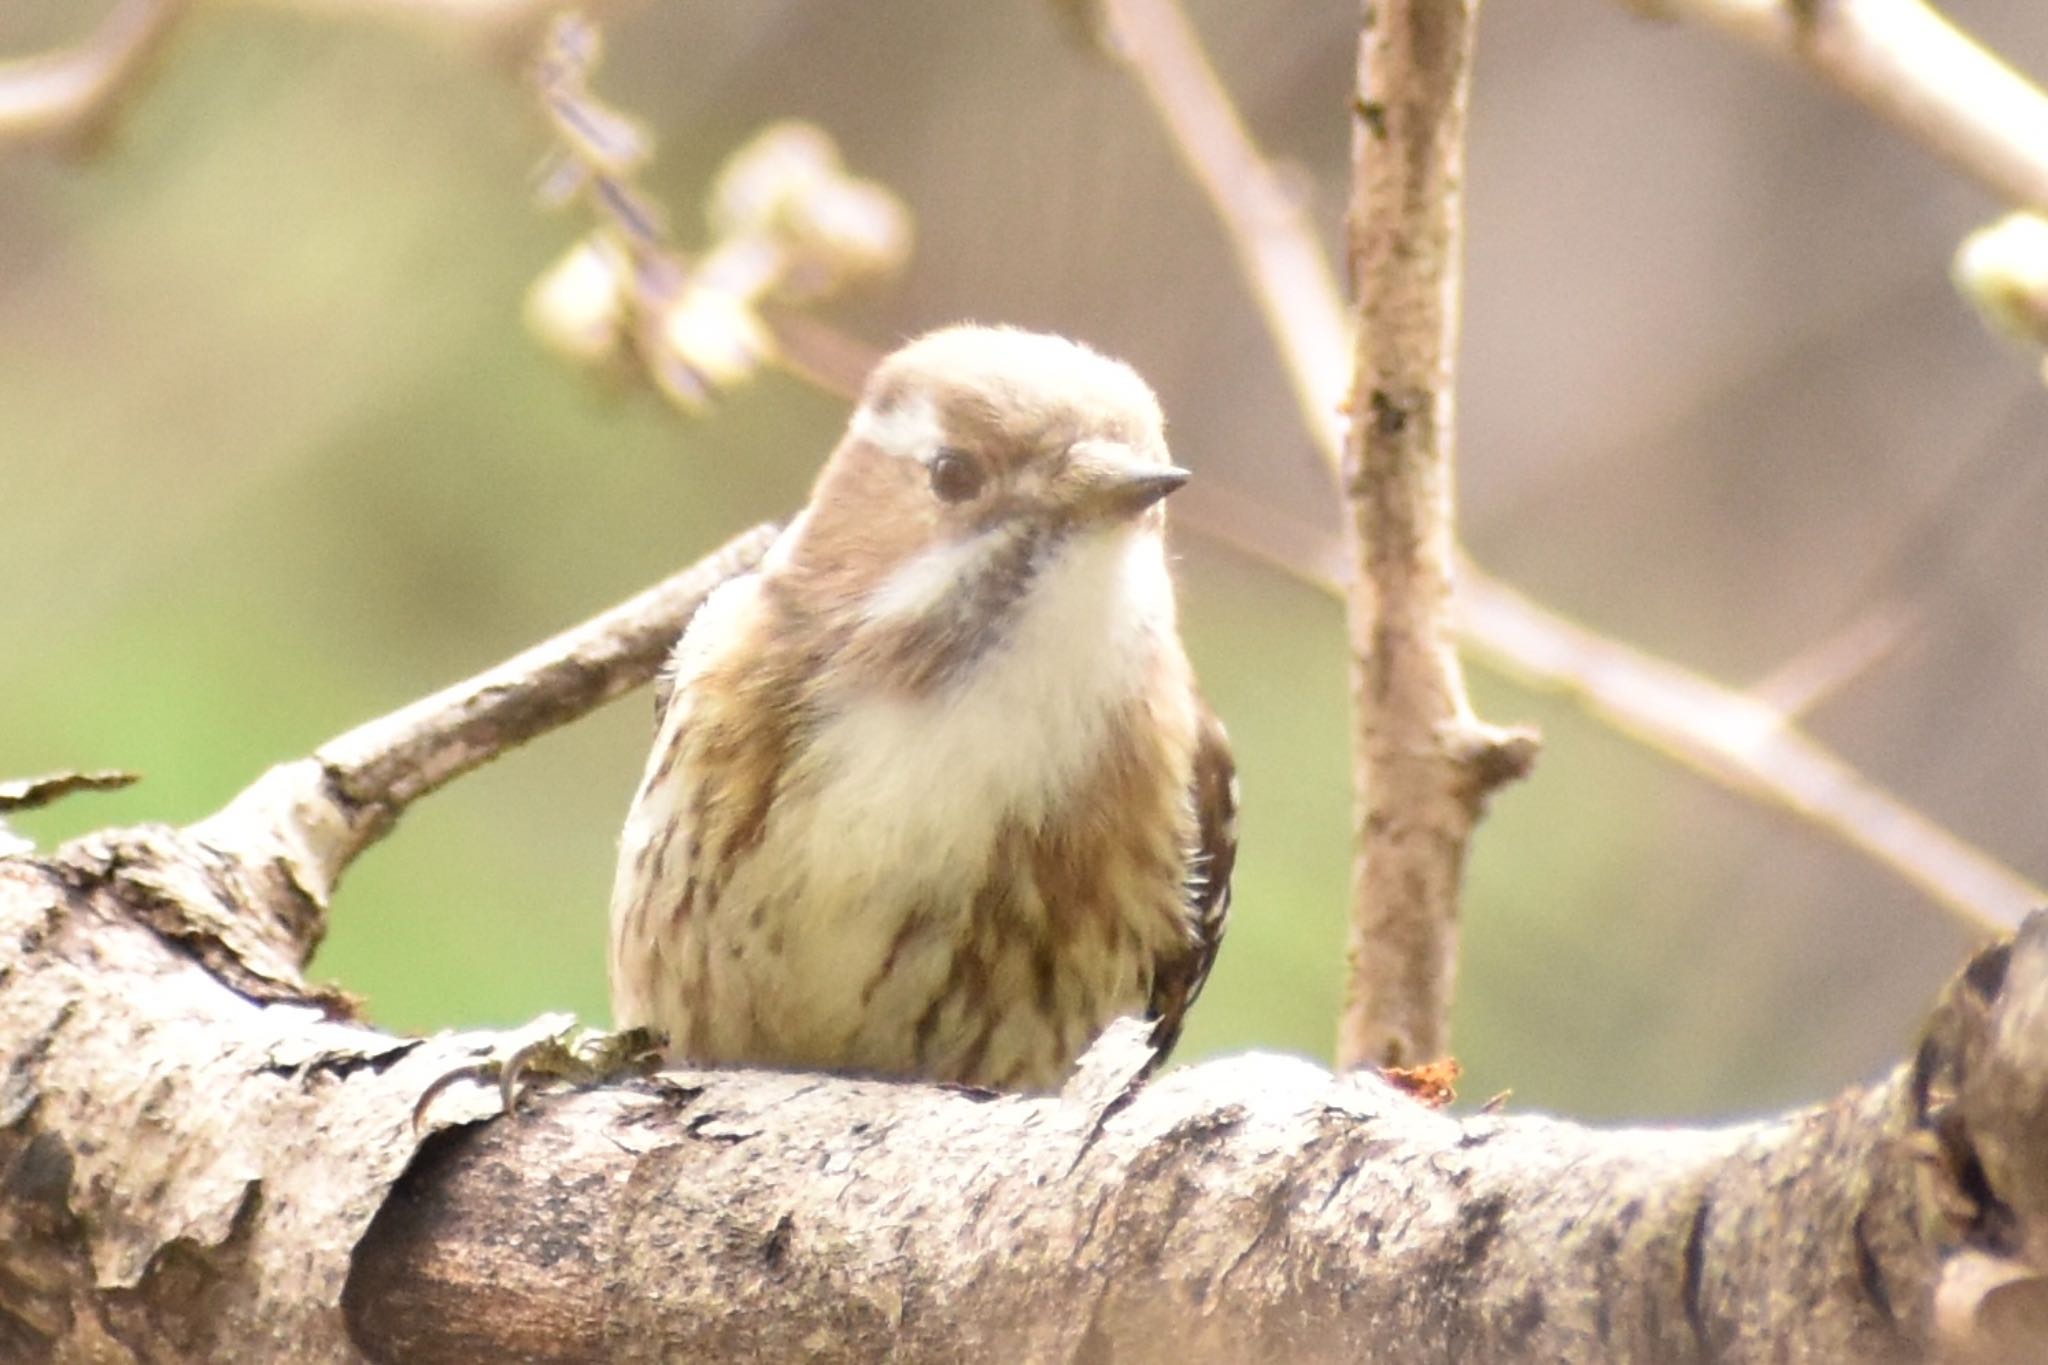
(933, 793)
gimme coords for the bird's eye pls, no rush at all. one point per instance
(956, 475)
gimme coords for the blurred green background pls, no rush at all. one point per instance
(276, 456)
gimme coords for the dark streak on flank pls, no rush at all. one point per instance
(928, 1025)
(977, 1053)
(687, 902)
(913, 924)
(1046, 971)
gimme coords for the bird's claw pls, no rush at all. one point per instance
(568, 1052)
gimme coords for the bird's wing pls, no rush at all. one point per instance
(1212, 791)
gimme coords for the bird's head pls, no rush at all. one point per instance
(986, 470)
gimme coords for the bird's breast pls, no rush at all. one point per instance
(1011, 739)
(965, 883)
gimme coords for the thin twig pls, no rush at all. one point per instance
(1737, 740)
(1268, 227)
(29, 793)
(1690, 719)
(317, 814)
(789, 224)
(1742, 742)
(1906, 63)
(72, 94)
(1825, 669)
(1747, 745)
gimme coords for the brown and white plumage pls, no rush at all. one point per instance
(1212, 792)
(934, 794)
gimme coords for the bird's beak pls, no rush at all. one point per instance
(1107, 482)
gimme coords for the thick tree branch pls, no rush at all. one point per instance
(1245, 1210)
(190, 1174)
(1423, 763)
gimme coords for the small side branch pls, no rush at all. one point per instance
(1907, 64)
(75, 95)
(72, 95)
(1424, 764)
(1268, 227)
(393, 761)
(311, 818)
(1745, 744)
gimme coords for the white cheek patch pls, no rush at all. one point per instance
(910, 430)
(924, 581)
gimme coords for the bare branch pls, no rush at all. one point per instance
(1737, 740)
(1904, 62)
(29, 793)
(1747, 745)
(789, 224)
(73, 95)
(1719, 732)
(191, 1178)
(1268, 228)
(311, 818)
(1423, 764)
(1830, 665)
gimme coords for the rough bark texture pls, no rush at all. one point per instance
(199, 1161)
(1423, 762)
(192, 1137)
(186, 1155)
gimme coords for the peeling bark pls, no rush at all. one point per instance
(194, 1169)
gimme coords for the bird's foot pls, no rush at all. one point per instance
(559, 1049)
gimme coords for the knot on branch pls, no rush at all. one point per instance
(1979, 1090)
(1489, 757)
(249, 922)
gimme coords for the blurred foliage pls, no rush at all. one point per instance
(276, 456)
